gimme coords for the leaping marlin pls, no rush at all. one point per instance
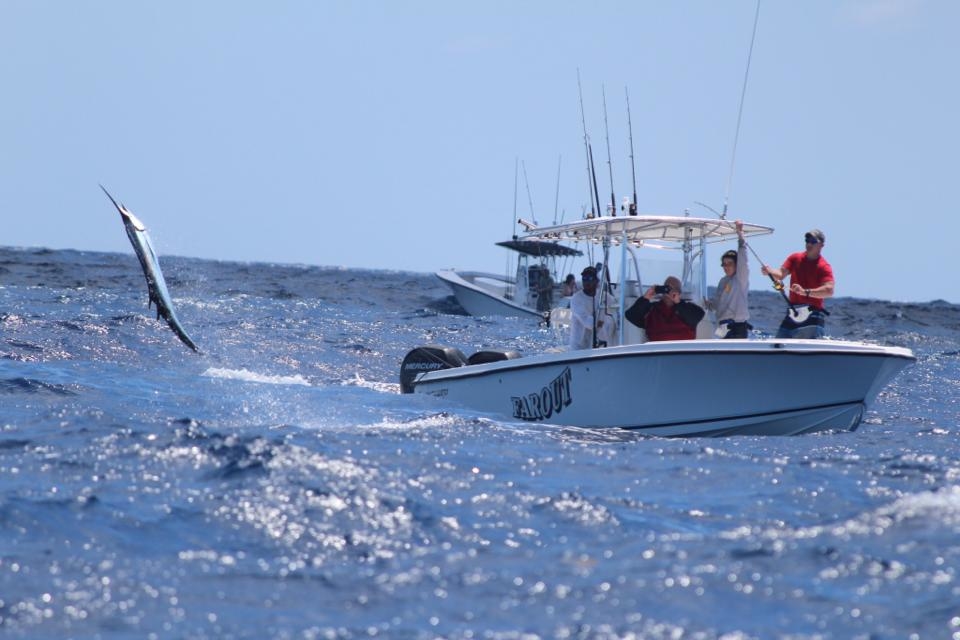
(156, 285)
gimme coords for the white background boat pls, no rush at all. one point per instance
(679, 388)
(533, 291)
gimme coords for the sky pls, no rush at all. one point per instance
(386, 134)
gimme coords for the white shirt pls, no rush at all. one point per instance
(582, 309)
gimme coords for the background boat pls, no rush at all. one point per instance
(533, 290)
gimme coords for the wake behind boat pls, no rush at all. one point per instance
(532, 292)
(677, 388)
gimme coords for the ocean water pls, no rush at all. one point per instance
(279, 486)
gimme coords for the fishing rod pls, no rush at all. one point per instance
(527, 182)
(606, 127)
(516, 172)
(516, 169)
(586, 146)
(593, 172)
(777, 284)
(799, 315)
(633, 170)
(556, 199)
(743, 95)
(605, 283)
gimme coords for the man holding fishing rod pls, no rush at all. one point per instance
(811, 282)
(590, 326)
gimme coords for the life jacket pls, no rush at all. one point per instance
(663, 324)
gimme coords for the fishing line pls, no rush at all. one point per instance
(777, 284)
(743, 95)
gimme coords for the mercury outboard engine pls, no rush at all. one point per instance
(429, 358)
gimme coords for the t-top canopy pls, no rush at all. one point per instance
(540, 248)
(640, 229)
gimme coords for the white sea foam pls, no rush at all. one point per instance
(383, 387)
(252, 376)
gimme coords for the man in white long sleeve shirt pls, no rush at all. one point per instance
(582, 307)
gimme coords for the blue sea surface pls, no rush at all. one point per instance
(279, 486)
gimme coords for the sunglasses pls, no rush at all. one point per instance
(811, 240)
(589, 278)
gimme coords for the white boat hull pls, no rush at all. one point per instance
(690, 388)
(484, 294)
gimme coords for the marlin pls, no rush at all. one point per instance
(156, 286)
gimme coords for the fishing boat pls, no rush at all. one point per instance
(702, 387)
(532, 292)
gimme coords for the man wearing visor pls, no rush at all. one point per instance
(811, 282)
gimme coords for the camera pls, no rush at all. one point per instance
(662, 289)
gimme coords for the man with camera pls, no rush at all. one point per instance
(670, 318)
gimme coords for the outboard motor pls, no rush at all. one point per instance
(429, 358)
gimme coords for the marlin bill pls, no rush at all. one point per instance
(156, 285)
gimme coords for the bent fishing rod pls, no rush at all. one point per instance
(777, 284)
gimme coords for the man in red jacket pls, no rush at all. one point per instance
(670, 318)
(811, 282)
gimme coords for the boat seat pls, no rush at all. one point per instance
(492, 355)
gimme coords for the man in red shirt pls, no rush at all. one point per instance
(811, 282)
(670, 318)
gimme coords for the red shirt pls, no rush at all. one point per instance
(663, 323)
(809, 274)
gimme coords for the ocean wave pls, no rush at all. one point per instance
(28, 385)
(252, 376)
